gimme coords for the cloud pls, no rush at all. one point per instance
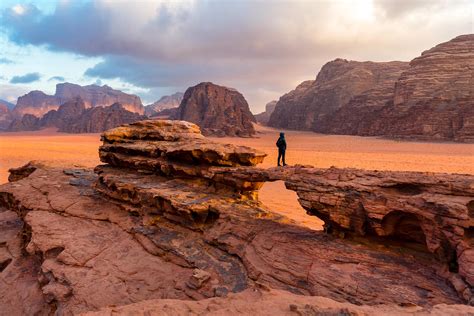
(27, 78)
(57, 78)
(261, 47)
(10, 93)
(6, 61)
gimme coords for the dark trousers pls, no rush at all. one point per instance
(281, 156)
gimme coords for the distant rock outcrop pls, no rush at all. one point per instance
(265, 116)
(312, 104)
(8, 105)
(431, 98)
(38, 103)
(5, 115)
(164, 103)
(218, 110)
(99, 119)
(74, 117)
(27, 122)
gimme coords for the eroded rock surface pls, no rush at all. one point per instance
(175, 216)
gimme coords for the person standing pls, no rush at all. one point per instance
(281, 144)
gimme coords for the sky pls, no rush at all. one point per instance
(263, 48)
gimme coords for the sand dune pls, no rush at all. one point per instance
(303, 148)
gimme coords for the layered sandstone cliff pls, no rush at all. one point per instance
(312, 105)
(431, 98)
(173, 218)
(38, 103)
(217, 110)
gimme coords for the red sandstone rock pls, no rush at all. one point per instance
(312, 105)
(217, 110)
(84, 241)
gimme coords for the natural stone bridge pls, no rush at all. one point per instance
(192, 208)
(432, 210)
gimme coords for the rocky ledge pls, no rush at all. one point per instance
(173, 218)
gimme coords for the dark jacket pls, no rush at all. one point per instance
(281, 142)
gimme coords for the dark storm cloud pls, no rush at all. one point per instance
(27, 78)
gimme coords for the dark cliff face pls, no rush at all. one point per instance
(217, 110)
(430, 98)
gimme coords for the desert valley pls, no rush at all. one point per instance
(110, 205)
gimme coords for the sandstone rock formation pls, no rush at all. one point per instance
(265, 116)
(217, 110)
(434, 98)
(73, 117)
(264, 301)
(313, 103)
(38, 103)
(35, 103)
(99, 119)
(27, 122)
(430, 99)
(164, 103)
(172, 215)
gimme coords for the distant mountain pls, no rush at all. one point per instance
(218, 110)
(38, 103)
(265, 116)
(7, 104)
(5, 114)
(165, 102)
(74, 117)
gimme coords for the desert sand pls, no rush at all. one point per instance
(304, 148)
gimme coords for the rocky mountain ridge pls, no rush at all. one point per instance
(172, 215)
(431, 98)
(74, 117)
(38, 103)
